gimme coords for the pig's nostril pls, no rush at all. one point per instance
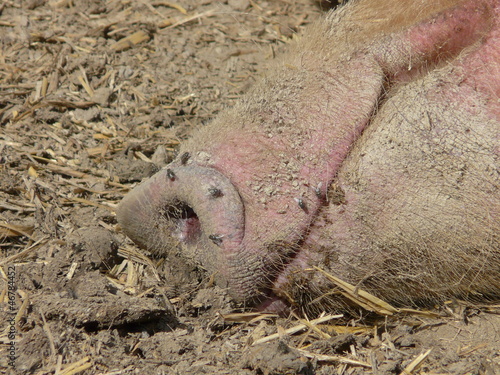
(187, 227)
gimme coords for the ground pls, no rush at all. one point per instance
(95, 96)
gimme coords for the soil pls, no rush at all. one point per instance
(95, 96)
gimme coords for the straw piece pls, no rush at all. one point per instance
(416, 363)
(130, 41)
(14, 230)
(248, 317)
(208, 13)
(333, 358)
(296, 329)
(170, 5)
(77, 367)
(25, 252)
(360, 297)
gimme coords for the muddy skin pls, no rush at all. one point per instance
(371, 150)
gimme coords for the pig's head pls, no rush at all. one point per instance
(242, 195)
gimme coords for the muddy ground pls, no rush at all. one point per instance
(95, 96)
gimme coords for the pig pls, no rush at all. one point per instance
(370, 151)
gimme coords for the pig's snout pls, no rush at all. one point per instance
(194, 206)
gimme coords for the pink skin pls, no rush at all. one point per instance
(241, 227)
(479, 73)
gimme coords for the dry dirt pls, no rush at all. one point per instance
(95, 96)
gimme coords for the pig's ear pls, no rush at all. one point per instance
(437, 39)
